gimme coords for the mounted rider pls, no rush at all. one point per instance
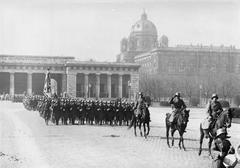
(177, 104)
(140, 104)
(214, 108)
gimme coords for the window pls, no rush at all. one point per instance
(171, 67)
(182, 66)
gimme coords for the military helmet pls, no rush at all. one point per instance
(214, 95)
(221, 131)
(178, 94)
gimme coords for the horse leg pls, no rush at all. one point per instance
(140, 128)
(180, 140)
(183, 144)
(148, 128)
(209, 146)
(167, 134)
(201, 141)
(172, 133)
(144, 128)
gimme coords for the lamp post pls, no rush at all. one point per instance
(200, 95)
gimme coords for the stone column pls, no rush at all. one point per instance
(71, 84)
(29, 84)
(134, 79)
(120, 86)
(11, 83)
(97, 85)
(86, 85)
(109, 85)
(64, 83)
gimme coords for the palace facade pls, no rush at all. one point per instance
(26, 74)
(205, 69)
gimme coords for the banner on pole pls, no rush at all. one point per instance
(47, 84)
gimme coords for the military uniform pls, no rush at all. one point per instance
(214, 109)
(177, 104)
(222, 147)
(140, 104)
(85, 111)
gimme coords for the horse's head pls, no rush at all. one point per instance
(225, 118)
(229, 117)
(185, 116)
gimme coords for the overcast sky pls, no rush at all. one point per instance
(93, 29)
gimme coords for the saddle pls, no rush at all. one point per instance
(207, 125)
(174, 115)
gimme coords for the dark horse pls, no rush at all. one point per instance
(223, 120)
(140, 118)
(180, 124)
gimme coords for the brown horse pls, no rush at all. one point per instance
(180, 124)
(223, 120)
(141, 118)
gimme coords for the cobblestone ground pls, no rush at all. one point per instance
(25, 141)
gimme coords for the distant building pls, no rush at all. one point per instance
(143, 38)
(25, 74)
(210, 68)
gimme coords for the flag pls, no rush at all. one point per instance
(47, 84)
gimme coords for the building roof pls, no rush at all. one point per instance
(104, 64)
(57, 61)
(35, 57)
(144, 26)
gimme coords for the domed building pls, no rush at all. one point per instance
(143, 38)
(181, 68)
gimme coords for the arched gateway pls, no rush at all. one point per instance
(25, 74)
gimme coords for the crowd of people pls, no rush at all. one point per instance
(66, 110)
(5, 96)
(13, 98)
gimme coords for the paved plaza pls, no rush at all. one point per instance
(25, 141)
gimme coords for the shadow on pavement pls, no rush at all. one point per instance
(112, 136)
(185, 139)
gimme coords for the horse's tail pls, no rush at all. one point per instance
(200, 128)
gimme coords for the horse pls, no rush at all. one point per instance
(140, 118)
(179, 124)
(224, 120)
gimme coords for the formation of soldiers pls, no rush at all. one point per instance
(66, 111)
